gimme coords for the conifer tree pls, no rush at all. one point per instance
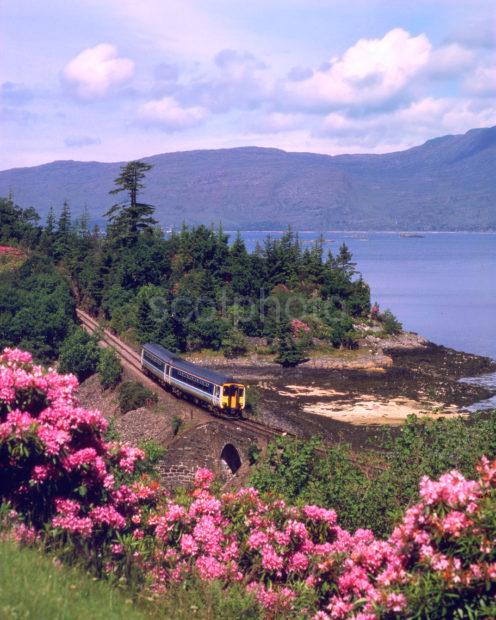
(64, 223)
(289, 352)
(50, 222)
(129, 218)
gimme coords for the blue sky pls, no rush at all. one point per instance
(113, 80)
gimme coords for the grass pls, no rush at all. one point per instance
(34, 587)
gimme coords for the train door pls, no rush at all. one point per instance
(167, 373)
(233, 394)
(217, 395)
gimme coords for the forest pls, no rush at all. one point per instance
(189, 290)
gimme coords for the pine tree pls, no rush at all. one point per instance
(84, 223)
(50, 222)
(289, 352)
(344, 261)
(130, 218)
(64, 223)
(62, 240)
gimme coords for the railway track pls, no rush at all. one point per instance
(129, 355)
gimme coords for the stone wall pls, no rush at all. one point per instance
(220, 446)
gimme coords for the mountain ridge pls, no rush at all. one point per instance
(447, 183)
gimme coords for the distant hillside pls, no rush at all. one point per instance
(448, 183)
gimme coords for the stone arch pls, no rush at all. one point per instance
(230, 457)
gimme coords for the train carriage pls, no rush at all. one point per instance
(218, 390)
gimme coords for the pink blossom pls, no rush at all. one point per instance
(203, 478)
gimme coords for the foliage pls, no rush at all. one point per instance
(252, 396)
(133, 395)
(194, 289)
(234, 343)
(372, 491)
(195, 598)
(289, 351)
(127, 220)
(36, 308)
(63, 485)
(176, 424)
(210, 293)
(18, 225)
(109, 368)
(390, 323)
(253, 453)
(153, 453)
(79, 354)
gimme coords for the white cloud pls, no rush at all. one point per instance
(238, 80)
(169, 114)
(449, 60)
(94, 71)
(371, 71)
(416, 122)
(483, 81)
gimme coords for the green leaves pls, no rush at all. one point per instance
(372, 489)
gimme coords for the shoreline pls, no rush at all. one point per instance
(355, 392)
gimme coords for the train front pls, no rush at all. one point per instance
(233, 396)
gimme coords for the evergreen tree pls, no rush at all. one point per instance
(50, 223)
(62, 242)
(64, 223)
(289, 352)
(344, 261)
(128, 219)
(84, 223)
(239, 267)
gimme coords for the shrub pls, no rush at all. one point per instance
(176, 424)
(79, 354)
(109, 368)
(342, 334)
(234, 343)
(390, 323)
(133, 395)
(373, 490)
(56, 454)
(252, 396)
(208, 332)
(253, 453)
(289, 351)
(153, 453)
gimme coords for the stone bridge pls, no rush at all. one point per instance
(223, 447)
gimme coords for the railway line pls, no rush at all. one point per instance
(131, 357)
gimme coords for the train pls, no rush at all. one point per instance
(215, 390)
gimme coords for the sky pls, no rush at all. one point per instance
(115, 80)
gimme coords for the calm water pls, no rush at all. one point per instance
(442, 285)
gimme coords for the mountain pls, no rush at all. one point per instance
(448, 183)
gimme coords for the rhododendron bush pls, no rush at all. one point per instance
(62, 482)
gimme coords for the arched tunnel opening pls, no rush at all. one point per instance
(230, 457)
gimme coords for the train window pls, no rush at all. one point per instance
(154, 361)
(196, 382)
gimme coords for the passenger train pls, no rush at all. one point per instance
(219, 392)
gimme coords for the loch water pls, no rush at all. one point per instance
(441, 285)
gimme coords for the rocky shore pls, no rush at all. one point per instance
(348, 394)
